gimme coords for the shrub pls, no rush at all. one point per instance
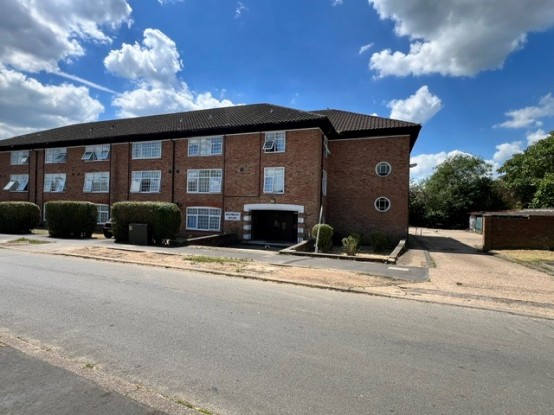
(325, 236)
(67, 219)
(163, 217)
(379, 241)
(351, 243)
(18, 217)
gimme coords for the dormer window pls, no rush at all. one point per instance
(275, 142)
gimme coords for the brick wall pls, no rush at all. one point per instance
(518, 232)
(354, 186)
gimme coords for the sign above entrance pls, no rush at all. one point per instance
(232, 216)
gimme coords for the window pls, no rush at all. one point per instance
(382, 204)
(18, 183)
(19, 157)
(274, 180)
(54, 182)
(147, 150)
(55, 155)
(204, 181)
(96, 153)
(326, 151)
(203, 219)
(383, 169)
(205, 146)
(97, 182)
(146, 181)
(324, 183)
(274, 142)
(103, 213)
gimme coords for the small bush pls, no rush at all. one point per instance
(351, 243)
(68, 219)
(18, 217)
(163, 217)
(325, 236)
(380, 241)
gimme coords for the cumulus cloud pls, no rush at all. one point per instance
(419, 107)
(534, 136)
(530, 116)
(27, 105)
(36, 35)
(457, 38)
(156, 61)
(336, 3)
(154, 67)
(426, 163)
(365, 48)
(505, 151)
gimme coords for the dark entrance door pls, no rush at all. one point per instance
(274, 225)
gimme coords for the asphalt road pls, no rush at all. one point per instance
(247, 347)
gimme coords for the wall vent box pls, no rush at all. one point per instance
(140, 233)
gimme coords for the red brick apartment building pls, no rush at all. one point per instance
(261, 171)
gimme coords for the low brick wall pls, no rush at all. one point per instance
(518, 231)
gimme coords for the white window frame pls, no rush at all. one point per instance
(324, 182)
(54, 182)
(204, 180)
(210, 215)
(205, 146)
(146, 178)
(18, 183)
(273, 176)
(383, 164)
(275, 142)
(103, 213)
(96, 153)
(19, 157)
(378, 202)
(55, 155)
(97, 182)
(147, 150)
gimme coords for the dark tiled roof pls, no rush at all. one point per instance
(350, 124)
(239, 119)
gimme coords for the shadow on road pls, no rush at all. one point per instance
(446, 244)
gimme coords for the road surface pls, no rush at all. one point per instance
(247, 347)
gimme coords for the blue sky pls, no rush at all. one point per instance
(478, 74)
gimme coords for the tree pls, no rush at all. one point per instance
(525, 173)
(460, 185)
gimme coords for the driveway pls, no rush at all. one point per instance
(463, 272)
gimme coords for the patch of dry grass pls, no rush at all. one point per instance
(528, 255)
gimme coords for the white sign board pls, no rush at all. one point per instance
(232, 216)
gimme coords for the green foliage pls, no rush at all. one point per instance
(350, 245)
(544, 196)
(380, 241)
(325, 236)
(18, 217)
(165, 219)
(460, 185)
(524, 173)
(68, 219)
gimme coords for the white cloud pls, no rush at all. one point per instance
(457, 38)
(419, 107)
(426, 163)
(530, 116)
(36, 35)
(156, 61)
(240, 9)
(507, 150)
(365, 48)
(336, 3)
(153, 67)
(27, 105)
(535, 136)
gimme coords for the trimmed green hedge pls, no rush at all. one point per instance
(67, 219)
(163, 217)
(325, 236)
(18, 217)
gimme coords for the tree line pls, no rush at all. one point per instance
(465, 184)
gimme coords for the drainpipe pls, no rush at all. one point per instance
(173, 173)
(318, 229)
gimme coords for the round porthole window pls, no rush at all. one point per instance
(382, 204)
(383, 169)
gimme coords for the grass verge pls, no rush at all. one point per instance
(28, 241)
(204, 259)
